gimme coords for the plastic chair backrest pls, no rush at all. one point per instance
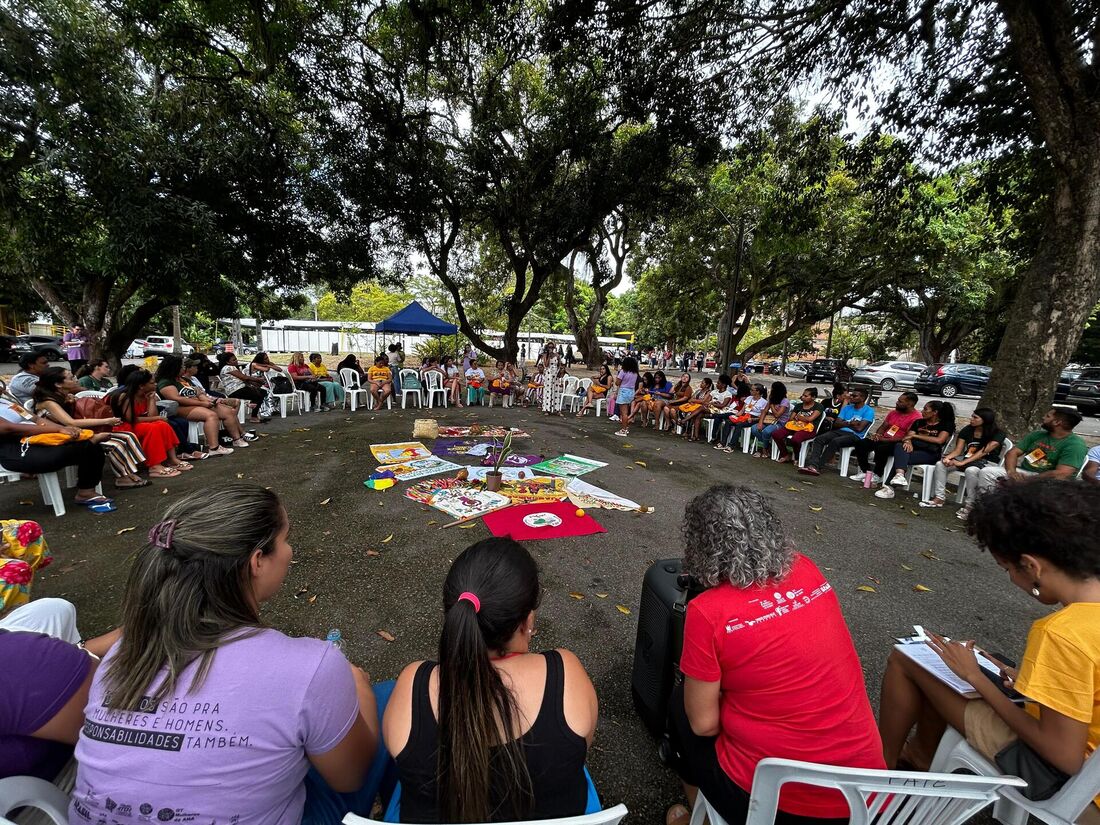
(407, 371)
(32, 792)
(349, 378)
(879, 797)
(583, 385)
(611, 816)
(90, 394)
(433, 380)
(1008, 445)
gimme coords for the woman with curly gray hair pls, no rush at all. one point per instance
(769, 665)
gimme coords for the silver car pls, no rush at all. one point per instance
(890, 374)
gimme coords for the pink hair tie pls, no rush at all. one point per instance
(472, 599)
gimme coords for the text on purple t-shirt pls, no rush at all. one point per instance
(232, 751)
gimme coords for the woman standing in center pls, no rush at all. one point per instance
(493, 732)
(552, 382)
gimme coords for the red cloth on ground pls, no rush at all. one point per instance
(792, 685)
(509, 522)
(157, 437)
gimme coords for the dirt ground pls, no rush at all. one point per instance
(348, 576)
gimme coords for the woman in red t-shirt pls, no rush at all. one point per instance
(769, 665)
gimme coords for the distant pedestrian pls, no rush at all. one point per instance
(75, 343)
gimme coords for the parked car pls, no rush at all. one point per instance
(797, 369)
(1084, 392)
(890, 374)
(163, 345)
(12, 349)
(48, 345)
(950, 380)
(1065, 381)
(137, 348)
(828, 371)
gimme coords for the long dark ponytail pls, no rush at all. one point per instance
(478, 718)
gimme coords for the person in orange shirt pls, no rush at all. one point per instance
(380, 378)
(1042, 533)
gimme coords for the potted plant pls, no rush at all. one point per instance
(494, 477)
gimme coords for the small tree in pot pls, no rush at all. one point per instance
(494, 477)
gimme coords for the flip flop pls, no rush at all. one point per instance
(182, 465)
(166, 472)
(100, 509)
(94, 501)
(132, 485)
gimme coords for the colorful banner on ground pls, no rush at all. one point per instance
(568, 465)
(398, 453)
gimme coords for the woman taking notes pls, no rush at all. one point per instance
(1041, 533)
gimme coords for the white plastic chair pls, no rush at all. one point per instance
(48, 483)
(433, 384)
(349, 379)
(576, 392)
(1012, 808)
(90, 394)
(287, 398)
(32, 792)
(612, 816)
(874, 797)
(410, 391)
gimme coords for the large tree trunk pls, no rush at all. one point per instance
(1056, 294)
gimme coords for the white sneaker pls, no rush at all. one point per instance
(885, 492)
(899, 480)
(240, 442)
(875, 478)
(613, 418)
(857, 475)
(221, 451)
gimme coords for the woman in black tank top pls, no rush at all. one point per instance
(492, 752)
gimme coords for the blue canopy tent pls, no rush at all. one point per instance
(415, 320)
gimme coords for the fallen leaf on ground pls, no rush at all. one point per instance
(300, 592)
(388, 539)
(622, 608)
(928, 554)
(240, 475)
(817, 529)
(326, 501)
(914, 512)
(793, 490)
(577, 596)
(433, 521)
(466, 526)
(906, 567)
(385, 634)
(641, 463)
(873, 579)
(866, 588)
(313, 598)
(601, 595)
(125, 530)
(920, 588)
(373, 553)
(164, 492)
(26, 502)
(816, 509)
(628, 446)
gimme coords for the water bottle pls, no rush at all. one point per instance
(335, 638)
(867, 480)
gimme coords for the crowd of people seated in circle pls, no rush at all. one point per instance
(196, 703)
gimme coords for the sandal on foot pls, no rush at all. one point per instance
(183, 466)
(931, 503)
(130, 485)
(677, 815)
(94, 501)
(163, 472)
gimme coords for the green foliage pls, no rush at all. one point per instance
(366, 302)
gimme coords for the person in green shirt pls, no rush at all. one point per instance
(1051, 452)
(93, 376)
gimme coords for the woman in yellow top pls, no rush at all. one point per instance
(334, 390)
(1043, 534)
(380, 380)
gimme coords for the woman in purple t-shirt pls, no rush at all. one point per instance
(201, 711)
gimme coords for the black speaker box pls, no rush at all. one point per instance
(660, 641)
